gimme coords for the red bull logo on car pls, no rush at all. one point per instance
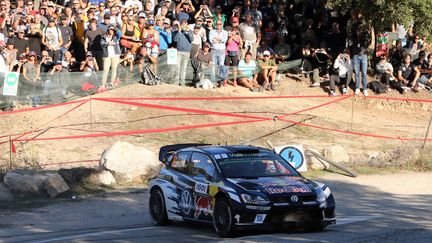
(202, 205)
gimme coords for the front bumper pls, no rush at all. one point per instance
(313, 216)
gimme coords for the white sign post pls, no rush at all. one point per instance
(10, 84)
(172, 56)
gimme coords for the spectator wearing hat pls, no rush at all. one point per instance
(52, 39)
(131, 3)
(198, 21)
(21, 42)
(89, 64)
(111, 55)
(150, 36)
(234, 43)
(31, 74)
(142, 21)
(105, 22)
(46, 63)
(165, 35)
(182, 39)
(268, 71)
(251, 36)
(185, 10)
(205, 60)
(92, 41)
(218, 38)
(67, 35)
(198, 38)
(130, 38)
(55, 86)
(11, 54)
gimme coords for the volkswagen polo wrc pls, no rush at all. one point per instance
(233, 187)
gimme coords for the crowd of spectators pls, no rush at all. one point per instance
(40, 36)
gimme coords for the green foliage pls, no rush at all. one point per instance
(381, 14)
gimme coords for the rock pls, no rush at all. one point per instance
(336, 153)
(102, 178)
(55, 185)
(400, 156)
(316, 164)
(128, 162)
(25, 184)
(5, 193)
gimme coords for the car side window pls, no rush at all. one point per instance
(180, 162)
(202, 166)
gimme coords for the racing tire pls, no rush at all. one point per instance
(223, 218)
(157, 208)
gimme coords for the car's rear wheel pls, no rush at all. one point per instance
(157, 208)
(223, 217)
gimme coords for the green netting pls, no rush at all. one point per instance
(57, 88)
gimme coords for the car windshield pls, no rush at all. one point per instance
(263, 164)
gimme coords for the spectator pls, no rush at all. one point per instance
(105, 23)
(89, 64)
(21, 43)
(268, 71)
(205, 60)
(67, 35)
(248, 77)
(361, 39)
(203, 13)
(408, 73)
(52, 39)
(320, 60)
(111, 55)
(31, 73)
(167, 9)
(130, 38)
(55, 87)
(198, 39)
(11, 54)
(70, 62)
(251, 36)
(182, 37)
(282, 50)
(255, 13)
(424, 66)
(92, 41)
(335, 39)
(234, 43)
(384, 72)
(165, 36)
(396, 54)
(35, 39)
(132, 3)
(185, 10)
(208, 26)
(47, 63)
(218, 15)
(218, 38)
(148, 9)
(344, 67)
(151, 37)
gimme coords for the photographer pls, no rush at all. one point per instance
(89, 64)
(344, 70)
(46, 63)
(111, 54)
(185, 10)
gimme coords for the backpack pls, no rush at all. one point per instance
(377, 87)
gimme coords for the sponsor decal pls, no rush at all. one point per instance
(260, 208)
(237, 217)
(287, 189)
(213, 189)
(201, 188)
(259, 218)
(202, 205)
(186, 202)
(280, 204)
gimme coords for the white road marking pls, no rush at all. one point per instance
(353, 219)
(92, 234)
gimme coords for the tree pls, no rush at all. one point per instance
(381, 14)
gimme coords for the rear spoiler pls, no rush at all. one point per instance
(166, 151)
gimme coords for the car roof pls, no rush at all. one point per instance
(217, 149)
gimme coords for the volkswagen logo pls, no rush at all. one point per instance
(294, 198)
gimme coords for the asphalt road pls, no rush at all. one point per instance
(364, 214)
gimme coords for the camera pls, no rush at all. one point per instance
(90, 58)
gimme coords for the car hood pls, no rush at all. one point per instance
(277, 186)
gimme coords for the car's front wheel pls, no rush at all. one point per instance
(157, 208)
(223, 217)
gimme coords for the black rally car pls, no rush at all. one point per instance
(236, 186)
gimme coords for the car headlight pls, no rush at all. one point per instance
(321, 197)
(254, 199)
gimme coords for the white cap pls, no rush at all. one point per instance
(266, 53)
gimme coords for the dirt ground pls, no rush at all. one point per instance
(383, 117)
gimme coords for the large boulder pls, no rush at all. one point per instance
(54, 185)
(25, 183)
(336, 153)
(316, 164)
(5, 193)
(104, 178)
(128, 162)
